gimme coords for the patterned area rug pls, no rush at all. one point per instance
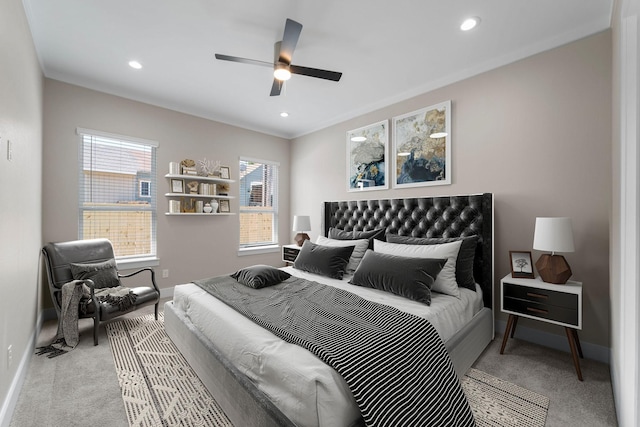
(159, 388)
(495, 402)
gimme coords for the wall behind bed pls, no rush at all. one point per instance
(537, 134)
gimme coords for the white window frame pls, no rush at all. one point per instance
(143, 181)
(273, 246)
(123, 262)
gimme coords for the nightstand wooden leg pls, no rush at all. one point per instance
(574, 352)
(577, 340)
(513, 327)
(507, 331)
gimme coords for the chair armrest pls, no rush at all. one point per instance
(150, 270)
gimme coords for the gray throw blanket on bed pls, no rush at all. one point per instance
(76, 295)
(395, 363)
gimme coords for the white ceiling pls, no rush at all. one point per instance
(387, 50)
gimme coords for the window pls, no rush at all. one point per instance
(258, 203)
(145, 189)
(117, 192)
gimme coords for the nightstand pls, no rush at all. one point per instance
(546, 302)
(290, 253)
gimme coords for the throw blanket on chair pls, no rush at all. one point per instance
(76, 295)
(395, 363)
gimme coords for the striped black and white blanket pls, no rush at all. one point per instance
(394, 363)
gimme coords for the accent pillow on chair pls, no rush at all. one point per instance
(103, 274)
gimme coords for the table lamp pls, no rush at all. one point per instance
(554, 235)
(301, 223)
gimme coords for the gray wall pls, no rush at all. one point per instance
(536, 133)
(189, 247)
(20, 193)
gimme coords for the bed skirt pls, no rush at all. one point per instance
(246, 405)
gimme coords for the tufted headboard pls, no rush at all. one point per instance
(441, 216)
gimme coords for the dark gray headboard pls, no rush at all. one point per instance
(441, 216)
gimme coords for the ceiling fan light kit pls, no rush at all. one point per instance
(282, 66)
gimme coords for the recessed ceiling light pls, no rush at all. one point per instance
(470, 23)
(135, 64)
(284, 114)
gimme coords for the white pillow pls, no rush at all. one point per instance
(360, 247)
(446, 281)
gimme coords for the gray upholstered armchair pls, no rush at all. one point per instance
(61, 258)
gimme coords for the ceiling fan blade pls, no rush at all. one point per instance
(243, 60)
(290, 38)
(276, 88)
(315, 72)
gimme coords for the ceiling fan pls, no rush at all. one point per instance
(282, 66)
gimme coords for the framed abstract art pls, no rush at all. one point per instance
(367, 153)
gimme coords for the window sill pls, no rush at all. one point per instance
(137, 263)
(258, 250)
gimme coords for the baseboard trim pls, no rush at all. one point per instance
(557, 342)
(9, 405)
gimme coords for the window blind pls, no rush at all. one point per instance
(117, 192)
(258, 203)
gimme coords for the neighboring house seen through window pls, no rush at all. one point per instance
(117, 194)
(258, 203)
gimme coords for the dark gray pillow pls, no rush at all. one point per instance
(104, 274)
(260, 276)
(330, 261)
(464, 263)
(408, 277)
(336, 233)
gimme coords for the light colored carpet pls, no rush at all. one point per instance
(159, 388)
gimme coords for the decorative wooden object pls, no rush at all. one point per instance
(553, 269)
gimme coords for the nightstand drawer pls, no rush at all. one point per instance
(289, 254)
(541, 296)
(540, 310)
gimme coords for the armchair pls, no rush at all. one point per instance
(59, 258)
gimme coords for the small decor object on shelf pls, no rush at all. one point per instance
(208, 168)
(177, 186)
(207, 208)
(224, 172)
(174, 206)
(214, 205)
(188, 167)
(193, 187)
(521, 264)
(554, 235)
(224, 206)
(199, 206)
(174, 168)
(222, 189)
(301, 224)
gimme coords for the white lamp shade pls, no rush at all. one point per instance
(301, 223)
(553, 234)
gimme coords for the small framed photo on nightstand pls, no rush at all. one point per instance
(521, 265)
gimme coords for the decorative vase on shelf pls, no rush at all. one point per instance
(207, 208)
(214, 205)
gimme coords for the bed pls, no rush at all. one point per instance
(254, 392)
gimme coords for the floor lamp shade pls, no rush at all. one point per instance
(553, 235)
(301, 223)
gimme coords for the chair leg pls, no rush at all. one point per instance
(96, 323)
(157, 304)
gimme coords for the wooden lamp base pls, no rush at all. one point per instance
(553, 269)
(300, 238)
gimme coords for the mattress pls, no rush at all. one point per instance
(306, 390)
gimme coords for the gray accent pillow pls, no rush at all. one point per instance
(466, 255)
(336, 233)
(407, 277)
(359, 248)
(324, 260)
(104, 274)
(260, 276)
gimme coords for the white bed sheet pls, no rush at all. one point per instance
(306, 390)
